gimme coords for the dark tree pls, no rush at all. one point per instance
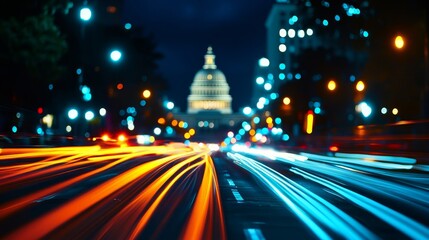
(30, 47)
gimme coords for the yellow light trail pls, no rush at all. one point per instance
(22, 202)
(200, 224)
(171, 164)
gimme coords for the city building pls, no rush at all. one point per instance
(209, 90)
(307, 47)
(209, 102)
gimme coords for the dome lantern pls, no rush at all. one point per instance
(210, 59)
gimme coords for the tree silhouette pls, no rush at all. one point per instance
(30, 48)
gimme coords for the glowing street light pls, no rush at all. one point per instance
(332, 85)
(286, 101)
(360, 86)
(364, 108)
(170, 105)
(247, 111)
(89, 115)
(73, 114)
(102, 112)
(399, 42)
(264, 62)
(48, 120)
(85, 14)
(115, 55)
(146, 93)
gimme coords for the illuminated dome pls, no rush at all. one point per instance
(209, 90)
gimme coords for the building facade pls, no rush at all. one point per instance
(209, 102)
(209, 90)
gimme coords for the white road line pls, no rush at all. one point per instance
(230, 182)
(237, 195)
(254, 234)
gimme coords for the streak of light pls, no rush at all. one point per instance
(269, 153)
(130, 214)
(395, 159)
(178, 161)
(353, 171)
(28, 199)
(376, 164)
(403, 223)
(422, 167)
(200, 224)
(408, 188)
(311, 209)
(50, 221)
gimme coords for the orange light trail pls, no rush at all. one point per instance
(151, 174)
(206, 208)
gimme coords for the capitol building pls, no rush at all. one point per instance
(209, 102)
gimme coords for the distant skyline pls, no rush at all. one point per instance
(183, 30)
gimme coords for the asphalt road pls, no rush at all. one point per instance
(190, 192)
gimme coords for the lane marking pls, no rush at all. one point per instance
(237, 195)
(230, 182)
(253, 234)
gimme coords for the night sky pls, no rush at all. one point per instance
(183, 30)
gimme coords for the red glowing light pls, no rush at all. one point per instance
(105, 137)
(120, 86)
(122, 138)
(333, 148)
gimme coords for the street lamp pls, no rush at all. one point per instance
(85, 14)
(170, 105)
(286, 101)
(146, 93)
(332, 85)
(399, 42)
(247, 111)
(115, 55)
(89, 115)
(73, 113)
(360, 86)
(102, 112)
(364, 108)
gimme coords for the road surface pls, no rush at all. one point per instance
(193, 192)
